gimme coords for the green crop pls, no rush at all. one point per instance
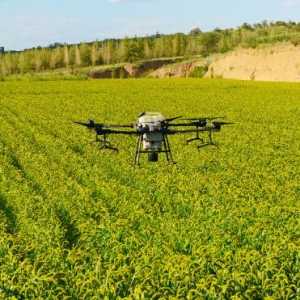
(79, 223)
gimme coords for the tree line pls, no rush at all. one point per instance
(133, 49)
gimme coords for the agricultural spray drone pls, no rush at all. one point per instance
(152, 130)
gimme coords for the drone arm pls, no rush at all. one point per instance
(122, 132)
(192, 130)
(181, 125)
(120, 126)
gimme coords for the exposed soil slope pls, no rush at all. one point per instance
(280, 62)
(132, 70)
(180, 70)
(269, 63)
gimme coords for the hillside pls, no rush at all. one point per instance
(261, 51)
(280, 62)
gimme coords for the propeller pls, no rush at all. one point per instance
(90, 123)
(204, 118)
(222, 123)
(218, 125)
(172, 119)
(120, 125)
(165, 122)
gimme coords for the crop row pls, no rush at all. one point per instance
(79, 223)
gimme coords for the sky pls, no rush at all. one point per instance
(31, 23)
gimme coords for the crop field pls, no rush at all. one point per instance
(79, 223)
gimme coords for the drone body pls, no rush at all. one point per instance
(152, 137)
(152, 130)
(151, 123)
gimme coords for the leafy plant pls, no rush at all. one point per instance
(79, 223)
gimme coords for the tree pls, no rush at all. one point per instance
(107, 52)
(42, 59)
(85, 55)
(179, 43)
(77, 57)
(9, 64)
(224, 44)
(132, 51)
(210, 41)
(66, 56)
(195, 32)
(96, 58)
(163, 46)
(27, 61)
(148, 48)
(246, 26)
(57, 58)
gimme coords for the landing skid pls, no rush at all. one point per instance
(209, 143)
(105, 143)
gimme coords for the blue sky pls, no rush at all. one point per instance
(31, 23)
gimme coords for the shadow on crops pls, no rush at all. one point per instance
(32, 183)
(9, 213)
(71, 231)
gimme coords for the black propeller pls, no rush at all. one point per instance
(198, 122)
(172, 119)
(217, 125)
(222, 123)
(120, 125)
(90, 123)
(165, 122)
(204, 118)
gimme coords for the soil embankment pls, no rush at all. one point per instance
(132, 70)
(280, 62)
(269, 63)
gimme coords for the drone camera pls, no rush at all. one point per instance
(152, 157)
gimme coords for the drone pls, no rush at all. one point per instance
(152, 130)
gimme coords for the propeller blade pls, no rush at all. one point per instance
(120, 125)
(204, 118)
(91, 124)
(172, 119)
(217, 125)
(222, 123)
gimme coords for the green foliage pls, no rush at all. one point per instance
(78, 223)
(46, 77)
(210, 42)
(113, 51)
(272, 39)
(295, 39)
(199, 72)
(132, 52)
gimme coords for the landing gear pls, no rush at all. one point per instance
(152, 151)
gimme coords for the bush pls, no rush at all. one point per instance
(199, 72)
(295, 40)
